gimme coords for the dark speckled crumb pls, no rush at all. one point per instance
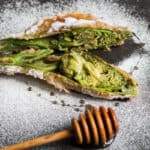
(52, 93)
(82, 101)
(77, 109)
(54, 102)
(62, 101)
(63, 104)
(29, 88)
(136, 68)
(88, 106)
(117, 104)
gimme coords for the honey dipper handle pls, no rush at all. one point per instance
(40, 140)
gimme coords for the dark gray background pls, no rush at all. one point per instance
(142, 7)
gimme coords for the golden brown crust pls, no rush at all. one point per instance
(79, 15)
(47, 22)
(43, 26)
(63, 83)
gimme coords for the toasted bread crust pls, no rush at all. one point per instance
(64, 84)
(42, 28)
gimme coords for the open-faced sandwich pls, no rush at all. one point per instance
(33, 53)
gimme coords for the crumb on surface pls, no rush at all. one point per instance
(52, 93)
(29, 88)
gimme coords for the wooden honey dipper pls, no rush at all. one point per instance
(96, 128)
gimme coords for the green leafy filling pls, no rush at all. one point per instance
(88, 70)
(92, 72)
(33, 60)
(83, 38)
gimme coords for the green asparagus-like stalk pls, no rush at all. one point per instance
(34, 60)
(83, 38)
(42, 66)
(12, 44)
(23, 58)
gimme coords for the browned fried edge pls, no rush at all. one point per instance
(65, 84)
(44, 25)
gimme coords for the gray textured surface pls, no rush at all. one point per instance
(26, 114)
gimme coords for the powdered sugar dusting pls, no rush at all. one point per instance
(68, 23)
(26, 114)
